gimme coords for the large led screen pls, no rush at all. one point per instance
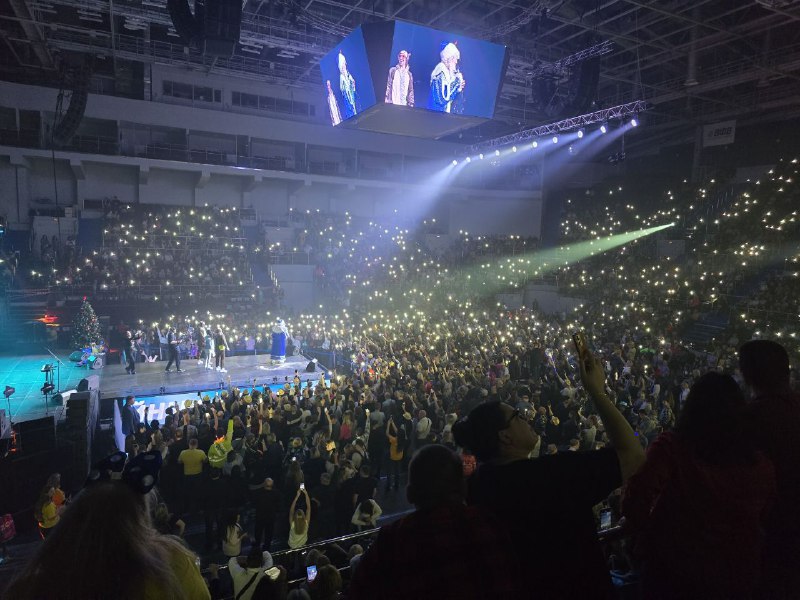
(443, 72)
(346, 78)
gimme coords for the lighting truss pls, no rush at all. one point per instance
(615, 112)
(560, 66)
(522, 19)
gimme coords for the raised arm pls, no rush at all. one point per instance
(291, 509)
(308, 507)
(629, 450)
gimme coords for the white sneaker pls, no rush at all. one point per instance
(224, 370)
(199, 363)
(217, 368)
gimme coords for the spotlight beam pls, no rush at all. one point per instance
(512, 272)
(536, 264)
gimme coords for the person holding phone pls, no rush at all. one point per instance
(299, 520)
(518, 490)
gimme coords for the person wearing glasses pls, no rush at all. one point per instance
(546, 503)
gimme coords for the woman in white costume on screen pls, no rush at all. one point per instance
(447, 82)
(347, 85)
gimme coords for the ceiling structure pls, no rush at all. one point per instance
(693, 61)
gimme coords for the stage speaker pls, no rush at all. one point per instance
(106, 408)
(96, 362)
(222, 23)
(312, 366)
(185, 23)
(38, 435)
(77, 82)
(92, 382)
(583, 88)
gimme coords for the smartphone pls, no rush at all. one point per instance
(580, 342)
(605, 519)
(311, 573)
(302, 486)
(273, 573)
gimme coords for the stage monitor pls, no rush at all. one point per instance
(401, 78)
(346, 78)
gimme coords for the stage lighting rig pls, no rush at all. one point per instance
(622, 112)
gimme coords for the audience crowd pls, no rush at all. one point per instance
(512, 441)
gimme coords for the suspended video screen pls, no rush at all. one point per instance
(346, 77)
(443, 72)
(400, 78)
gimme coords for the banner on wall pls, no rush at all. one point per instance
(719, 134)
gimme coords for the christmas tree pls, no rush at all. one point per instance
(85, 327)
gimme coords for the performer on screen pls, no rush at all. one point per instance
(347, 85)
(279, 335)
(447, 82)
(400, 85)
(333, 106)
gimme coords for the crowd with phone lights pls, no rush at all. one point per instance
(614, 405)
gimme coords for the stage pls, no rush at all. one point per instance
(151, 385)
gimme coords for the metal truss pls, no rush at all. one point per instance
(522, 19)
(615, 112)
(559, 67)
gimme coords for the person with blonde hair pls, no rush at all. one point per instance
(104, 534)
(54, 481)
(299, 520)
(447, 82)
(347, 86)
(47, 512)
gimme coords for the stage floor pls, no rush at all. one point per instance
(23, 373)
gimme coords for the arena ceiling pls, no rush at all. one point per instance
(694, 61)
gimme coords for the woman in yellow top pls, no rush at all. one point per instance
(46, 511)
(396, 448)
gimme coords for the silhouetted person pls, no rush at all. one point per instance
(775, 423)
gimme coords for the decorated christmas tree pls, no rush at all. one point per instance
(85, 327)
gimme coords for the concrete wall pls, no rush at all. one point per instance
(549, 300)
(159, 114)
(26, 181)
(297, 282)
(487, 215)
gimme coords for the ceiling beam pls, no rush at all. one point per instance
(33, 33)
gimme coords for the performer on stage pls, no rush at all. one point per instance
(279, 335)
(400, 85)
(130, 350)
(333, 106)
(172, 346)
(447, 82)
(221, 343)
(208, 348)
(347, 85)
(201, 343)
